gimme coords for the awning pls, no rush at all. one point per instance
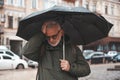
(104, 41)
(15, 38)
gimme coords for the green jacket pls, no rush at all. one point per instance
(49, 61)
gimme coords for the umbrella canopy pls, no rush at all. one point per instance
(81, 25)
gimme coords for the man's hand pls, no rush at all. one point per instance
(64, 65)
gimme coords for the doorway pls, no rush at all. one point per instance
(16, 46)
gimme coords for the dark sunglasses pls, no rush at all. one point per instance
(53, 36)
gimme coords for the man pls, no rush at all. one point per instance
(49, 54)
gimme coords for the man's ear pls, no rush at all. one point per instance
(44, 28)
(62, 32)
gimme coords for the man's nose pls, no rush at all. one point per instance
(51, 39)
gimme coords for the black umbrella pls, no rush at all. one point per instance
(81, 25)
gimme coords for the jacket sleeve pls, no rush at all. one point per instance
(31, 49)
(80, 67)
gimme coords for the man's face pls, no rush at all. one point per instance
(53, 35)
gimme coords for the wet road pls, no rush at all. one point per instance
(99, 72)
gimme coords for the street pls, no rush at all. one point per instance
(98, 72)
(30, 28)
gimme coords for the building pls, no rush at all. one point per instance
(110, 9)
(11, 11)
(2, 19)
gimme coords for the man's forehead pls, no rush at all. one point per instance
(51, 23)
(57, 27)
(52, 30)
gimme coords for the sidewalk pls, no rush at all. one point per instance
(99, 72)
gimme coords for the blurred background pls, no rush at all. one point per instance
(105, 51)
(11, 11)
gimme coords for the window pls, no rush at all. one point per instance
(19, 18)
(10, 2)
(87, 6)
(10, 21)
(9, 53)
(6, 57)
(96, 55)
(1, 3)
(2, 16)
(34, 3)
(21, 3)
(113, 47)
(1, 52)
(94, 8)
(112, 10)
(106, 9)
(118, 56)
(100, 48)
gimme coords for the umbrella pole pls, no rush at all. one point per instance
(63, 48)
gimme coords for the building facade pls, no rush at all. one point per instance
(110, 9)
(11, 11)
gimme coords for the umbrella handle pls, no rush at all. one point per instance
(63, 48)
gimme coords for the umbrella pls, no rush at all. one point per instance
(81, 25)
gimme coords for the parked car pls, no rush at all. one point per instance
(112, 53)
(9, 52)
(32, 63)
(98, 57)
(101, 59)
(87, 52)
(116, 58)
(8, 62)
(3, 47)
(89, 56)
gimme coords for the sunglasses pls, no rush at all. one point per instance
(53, 36)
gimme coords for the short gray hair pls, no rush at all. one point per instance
(50, 24)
